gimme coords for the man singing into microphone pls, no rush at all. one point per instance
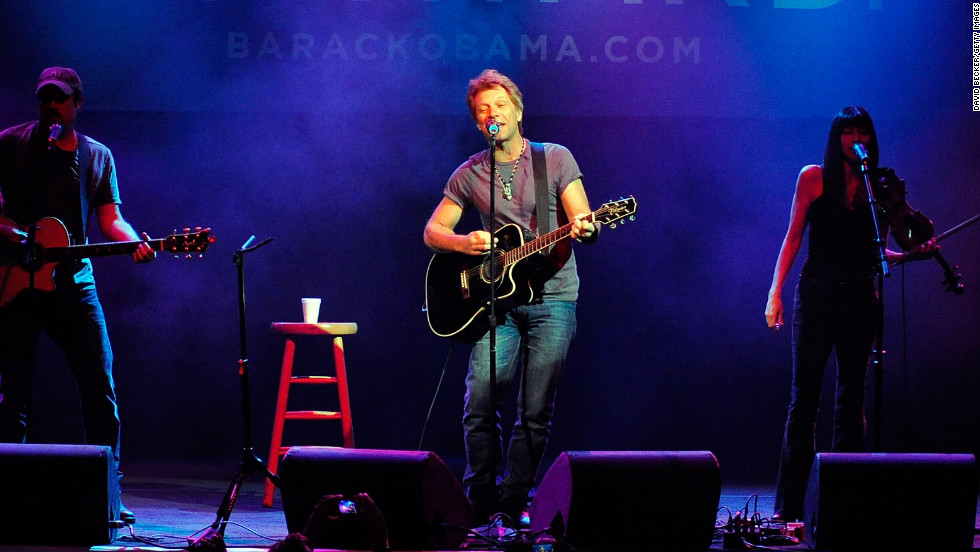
(535, 336)
(47, 169)
(836, 306)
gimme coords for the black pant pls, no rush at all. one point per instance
(828, 314)
(72, 316)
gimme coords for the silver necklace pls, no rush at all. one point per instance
(508, 192)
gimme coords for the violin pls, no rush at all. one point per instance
(910, 227)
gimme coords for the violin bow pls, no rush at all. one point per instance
(958, 227)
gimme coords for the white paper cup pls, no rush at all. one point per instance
(311, 310)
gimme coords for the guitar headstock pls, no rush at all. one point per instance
(613, 211)
(187, 242)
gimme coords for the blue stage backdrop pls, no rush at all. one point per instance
(332, 127)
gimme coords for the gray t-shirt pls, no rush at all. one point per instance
(469, 187)
(36, 183)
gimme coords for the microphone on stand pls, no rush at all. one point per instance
(861, 151)
(862, 154)
(492, 127)
(53, 134)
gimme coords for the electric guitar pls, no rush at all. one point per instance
(34, 269)
(457, 286)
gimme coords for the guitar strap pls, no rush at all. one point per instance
(84, 156)
(540, 165)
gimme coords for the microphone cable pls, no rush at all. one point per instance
(442, 376)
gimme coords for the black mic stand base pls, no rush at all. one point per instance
(251, 464)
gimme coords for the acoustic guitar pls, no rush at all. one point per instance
(35, 269)
(457, 286)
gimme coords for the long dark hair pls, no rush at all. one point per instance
(833, 159)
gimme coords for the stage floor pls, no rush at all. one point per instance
(176, 503)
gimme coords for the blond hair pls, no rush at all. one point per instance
(491, 78)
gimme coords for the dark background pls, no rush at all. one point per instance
(332, 127)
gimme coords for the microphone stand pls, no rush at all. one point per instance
(250, 463)
(492, 317)
(882, 274)
(30, 260)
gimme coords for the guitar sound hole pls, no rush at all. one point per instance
(497, 268)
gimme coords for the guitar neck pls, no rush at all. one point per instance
(75, 252)
(542, 242)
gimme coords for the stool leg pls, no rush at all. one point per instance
(341, 366)
(280, 418)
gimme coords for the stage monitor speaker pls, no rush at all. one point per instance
(630, 500)
(57, 495)
(423, 503)
(891, 501)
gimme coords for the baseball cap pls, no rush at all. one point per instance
(64, 78)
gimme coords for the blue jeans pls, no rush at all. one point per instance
(72, 316)
(827, 315)
(538, 336)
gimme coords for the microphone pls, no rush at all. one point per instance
(861, 151)
(53, 134)
(492, 127)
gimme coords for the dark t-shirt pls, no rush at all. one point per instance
(469, 186)
(37, 183)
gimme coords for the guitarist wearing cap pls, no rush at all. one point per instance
(534, 335)
(49, 171)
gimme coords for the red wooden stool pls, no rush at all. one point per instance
(291, 330)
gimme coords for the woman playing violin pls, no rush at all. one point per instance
(836, 304)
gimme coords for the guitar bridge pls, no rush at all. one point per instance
(464, 284)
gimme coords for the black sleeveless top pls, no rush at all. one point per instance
(842, 244)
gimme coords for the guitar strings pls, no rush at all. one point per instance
(508, 257)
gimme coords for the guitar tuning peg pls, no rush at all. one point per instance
(186, 230)
(612, 225)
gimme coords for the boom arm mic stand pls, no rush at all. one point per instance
(251, 463)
